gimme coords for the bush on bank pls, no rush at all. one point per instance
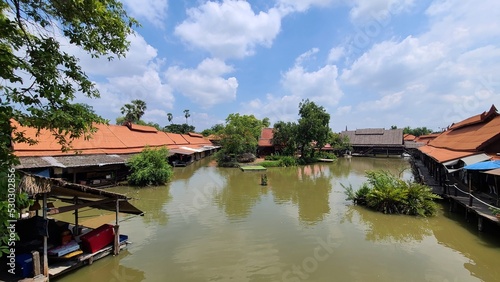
(388, 193)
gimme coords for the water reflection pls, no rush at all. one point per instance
(482, 262)
(241, 193)
(108, 269)
(150, 200)
(388, 228)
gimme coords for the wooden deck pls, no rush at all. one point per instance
(253, 168)
(60, 268)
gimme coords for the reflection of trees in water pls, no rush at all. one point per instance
(308, 187)
(240, 194)
(150, 200)
(359, 165)
(389, 228)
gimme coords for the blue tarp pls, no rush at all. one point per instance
(483, 165)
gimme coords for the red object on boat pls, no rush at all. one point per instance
(98, 238)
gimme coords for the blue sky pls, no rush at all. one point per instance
(370, 63)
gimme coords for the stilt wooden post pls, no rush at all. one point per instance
(117, 230)
(45, 258)
(470, 190)
(76, 229)
(36, 263)
(497, 190)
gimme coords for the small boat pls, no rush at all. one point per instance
(326, 160)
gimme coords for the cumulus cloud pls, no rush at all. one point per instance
(137, 60)
(204, 85)
(154, 11)
(391, 65)
(335, 54)
(447, 68)
(383, 104)
(289, 6)
(364, 11)
(320, 86)
(276, 108)
(229, 29)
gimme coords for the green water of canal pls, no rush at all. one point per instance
(218, 224)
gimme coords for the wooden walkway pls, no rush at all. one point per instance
(457, 193)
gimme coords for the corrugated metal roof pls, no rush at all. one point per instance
(375, 137)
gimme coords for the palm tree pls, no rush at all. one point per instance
(170, 117)
(134, 111)
(186, 114)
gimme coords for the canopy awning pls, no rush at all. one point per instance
(493, 172)
(469, 160)
(66, 191)
(489, 165)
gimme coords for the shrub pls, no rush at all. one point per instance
(326, 155)
(270, 163)
(387, 193)
(287, 161)
(150, 167)
(273, 157)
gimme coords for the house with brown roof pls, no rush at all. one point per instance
(100, 160)
(470, 141)
(375, 141)
(266, 146)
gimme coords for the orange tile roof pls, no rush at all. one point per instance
(443, 155)
(109, 139)
(266, 137)
(177, 138)
(409, 137)
(477, 118)
(470, 136)
(196, 140)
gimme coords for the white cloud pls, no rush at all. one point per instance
(391, 65)
(289, 6)
(344, 110)
(153, 11)
(275, 108)
(387, 102)
(229, 29)
(364, 11)
(204, 85)
(320, 86)
(123, 89)
(136, 61)
(335, 54)
(306, 56)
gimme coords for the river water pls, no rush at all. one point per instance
(220, 224)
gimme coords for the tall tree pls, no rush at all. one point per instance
(134, 111)
(312, 127)
(170, 117)
(216, 129)
(284, 137)
(179, 128)
(241, 134)
(40, 79)
(186, 115)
